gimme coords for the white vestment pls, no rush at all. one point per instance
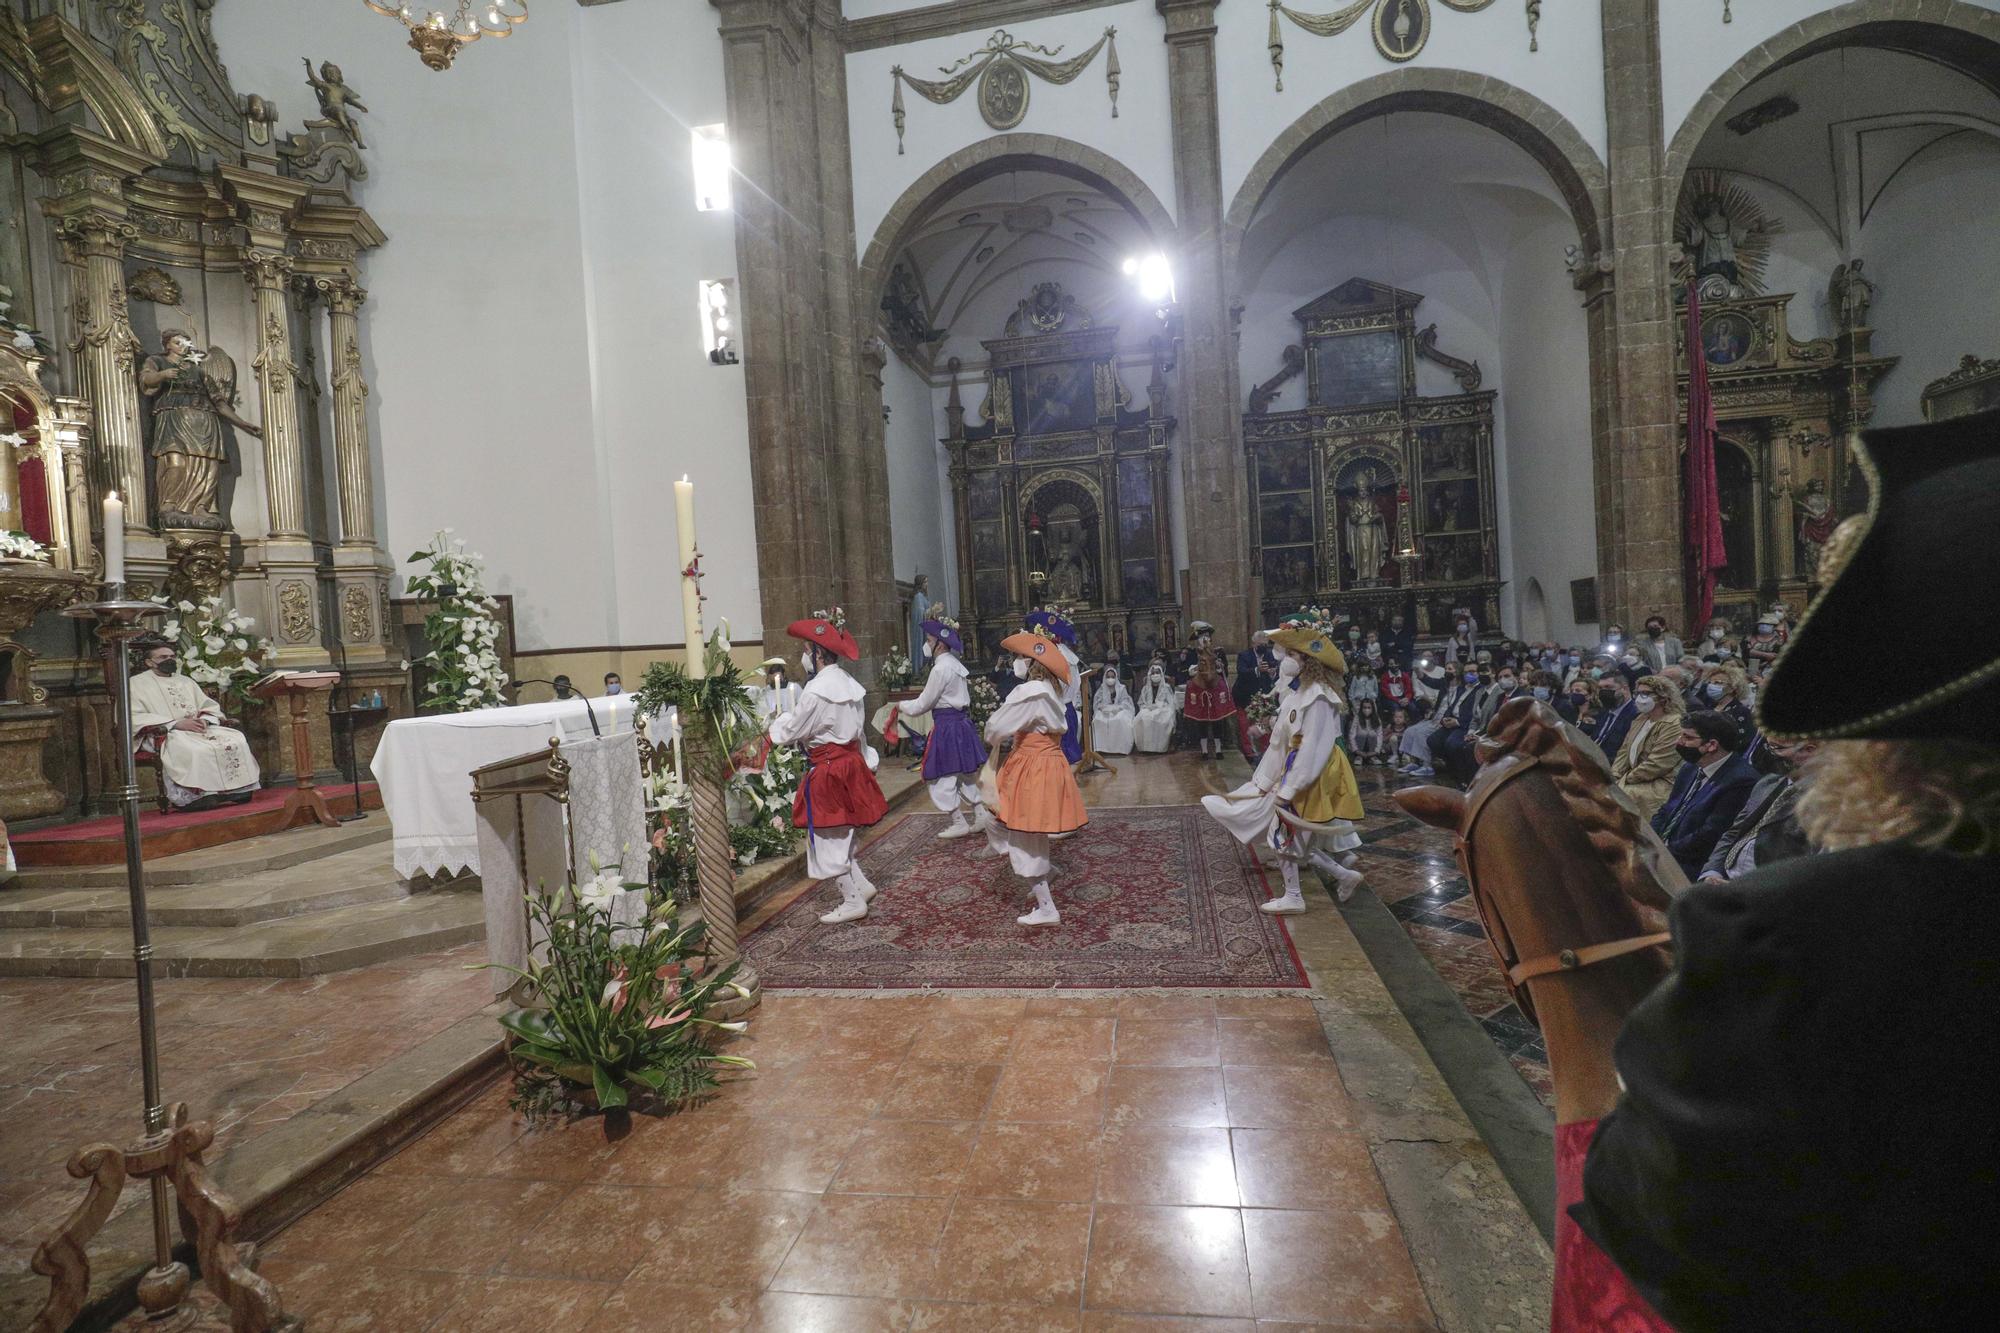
(1111, 717)
(829, 712)
(1153, 729)
(215, 759)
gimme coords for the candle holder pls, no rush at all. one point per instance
(170, 1153)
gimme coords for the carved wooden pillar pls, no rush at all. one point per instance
(1211, 452)
(107, 352)
(268, 273)
(350, 409)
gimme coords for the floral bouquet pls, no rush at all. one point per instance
(622, 1008)
(768, 792)
(897, 673)
(1257, 716)
(463, 665)
(19, 545)
(985, 699)
(217, 647)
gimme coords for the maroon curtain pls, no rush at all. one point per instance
(1700, 496)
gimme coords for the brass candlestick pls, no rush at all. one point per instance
(118, 622)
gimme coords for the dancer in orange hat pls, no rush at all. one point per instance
(838, 793)
(1038, 796)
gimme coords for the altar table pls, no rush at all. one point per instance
(423, 767)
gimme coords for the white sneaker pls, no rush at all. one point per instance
(1349, 859)
(1289, 905)
(1345, 882)
(867, 892)
(850, 909)
(958, 828)
(1045, 913)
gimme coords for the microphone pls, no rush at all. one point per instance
(564, 691)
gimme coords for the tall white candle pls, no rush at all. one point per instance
(114, 538)
(690, 586)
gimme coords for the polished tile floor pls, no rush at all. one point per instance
(965, 1162)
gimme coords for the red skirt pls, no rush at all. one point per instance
(838, 790)
(1208, 705)
(1591, 1294)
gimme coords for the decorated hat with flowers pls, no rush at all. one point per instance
(1041, 649)
(828, 629)
(1310, 641)
(945, 630)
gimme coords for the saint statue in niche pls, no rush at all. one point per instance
(1069, 574)
(1816, 524)
(1367, 534)
(194, 393)
(1711, 241)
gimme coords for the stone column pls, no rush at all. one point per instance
(268, 274)
(350, 409)
(107, 352)
(1210, 446)
(1637, 448)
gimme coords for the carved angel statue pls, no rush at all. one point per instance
(335, 101)
(1848, 296)
(193, 393)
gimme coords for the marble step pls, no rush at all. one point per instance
(303, 945)
(252, 856)
(344, 879)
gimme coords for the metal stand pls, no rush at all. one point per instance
(117, 617)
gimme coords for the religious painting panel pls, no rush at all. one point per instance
(1449, 451)
(1452, 559)
(1736, 493)
(1357, 368)
(1135, 481)
(989, 586)
(1142, 582)
(1055, 397)
(982, 495)
(1285, 520)
(1288, 571)
(1284, 467)
(989, 544)
(1135, 533)
(1727, 338)
(1451, 506)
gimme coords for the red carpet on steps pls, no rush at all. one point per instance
(152, 823)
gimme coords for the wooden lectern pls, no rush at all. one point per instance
(303, 803)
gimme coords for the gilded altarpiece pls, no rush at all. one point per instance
(1060, 487)
(1785, 411)
(1373, 499)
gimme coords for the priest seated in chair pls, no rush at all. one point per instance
(203, 762)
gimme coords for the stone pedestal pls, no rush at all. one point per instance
(25, 791)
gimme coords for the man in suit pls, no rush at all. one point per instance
(1459, 711)
(1400, 642)
(1709, 791)
(1614, 713)
(1767, 831)
(1256, 670)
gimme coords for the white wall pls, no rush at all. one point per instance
(1567, 73)
(920, 516)
(1934, 256)
(1140, 137)
(531, 334)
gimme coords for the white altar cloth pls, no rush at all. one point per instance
(424, 767)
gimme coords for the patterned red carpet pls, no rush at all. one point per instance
(1150, 896)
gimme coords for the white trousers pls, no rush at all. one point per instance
(947, 794)
(1028, 853)
(829, 852)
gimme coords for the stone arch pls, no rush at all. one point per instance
(994, 156)
(1544, 133)
(1963, 36)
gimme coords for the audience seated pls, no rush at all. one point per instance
(1646, 764)
(1767, 829)
(1611, 713)
(1709, 791)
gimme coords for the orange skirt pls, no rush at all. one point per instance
(1037, 790)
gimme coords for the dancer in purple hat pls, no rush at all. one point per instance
(954, 754)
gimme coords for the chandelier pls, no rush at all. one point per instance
(436, 37)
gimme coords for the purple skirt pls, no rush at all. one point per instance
(953, 747)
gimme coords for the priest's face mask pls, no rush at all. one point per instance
(161, 659)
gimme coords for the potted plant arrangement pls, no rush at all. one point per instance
(619, 1007)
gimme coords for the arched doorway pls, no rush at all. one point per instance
(1489, 458)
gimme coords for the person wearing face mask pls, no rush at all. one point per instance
(1153, 729)
(1657, 646)
(1063, 632)
(1304, 773)
(203, 763)
(1111, 714)
(1208, 705)
(1709, 790)
(1767, 830)
(1395, 687)
(1726, 689)
(1458, 715)
(1366, 735)
(1611, 707)
(1647, 762)
(1035, 793)
(953, 756)
(1572, 704)
(1463, 645)
(1506, 685)
(838, 793)
(1761, 648)
(1400, 642)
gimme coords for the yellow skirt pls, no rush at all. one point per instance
(1037, 791)
(1334, 796)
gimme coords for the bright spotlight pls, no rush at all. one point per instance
(1152, 276)
(1131, 266)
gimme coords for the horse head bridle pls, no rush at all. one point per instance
(1517, 973)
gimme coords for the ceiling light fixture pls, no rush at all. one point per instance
(436, 37)
(1151, 274)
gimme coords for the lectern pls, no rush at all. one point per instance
(303, 803)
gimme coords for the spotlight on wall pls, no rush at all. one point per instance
(1153, 277)
(718, 325)
(711, 167)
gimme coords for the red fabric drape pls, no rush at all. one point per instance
(1702, 513)
(1591, 1294)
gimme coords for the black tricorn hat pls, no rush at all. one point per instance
(1913, 558)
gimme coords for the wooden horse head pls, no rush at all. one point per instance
(1568, 879)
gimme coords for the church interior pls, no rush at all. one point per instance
(831, 664)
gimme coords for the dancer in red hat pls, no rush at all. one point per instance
(838, 793)
(1037, 791)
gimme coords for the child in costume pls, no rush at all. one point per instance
(1209, 704)
(838, 793)
(954, 756)
(1052, 622)
(1304, 773)
(1037, 792)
